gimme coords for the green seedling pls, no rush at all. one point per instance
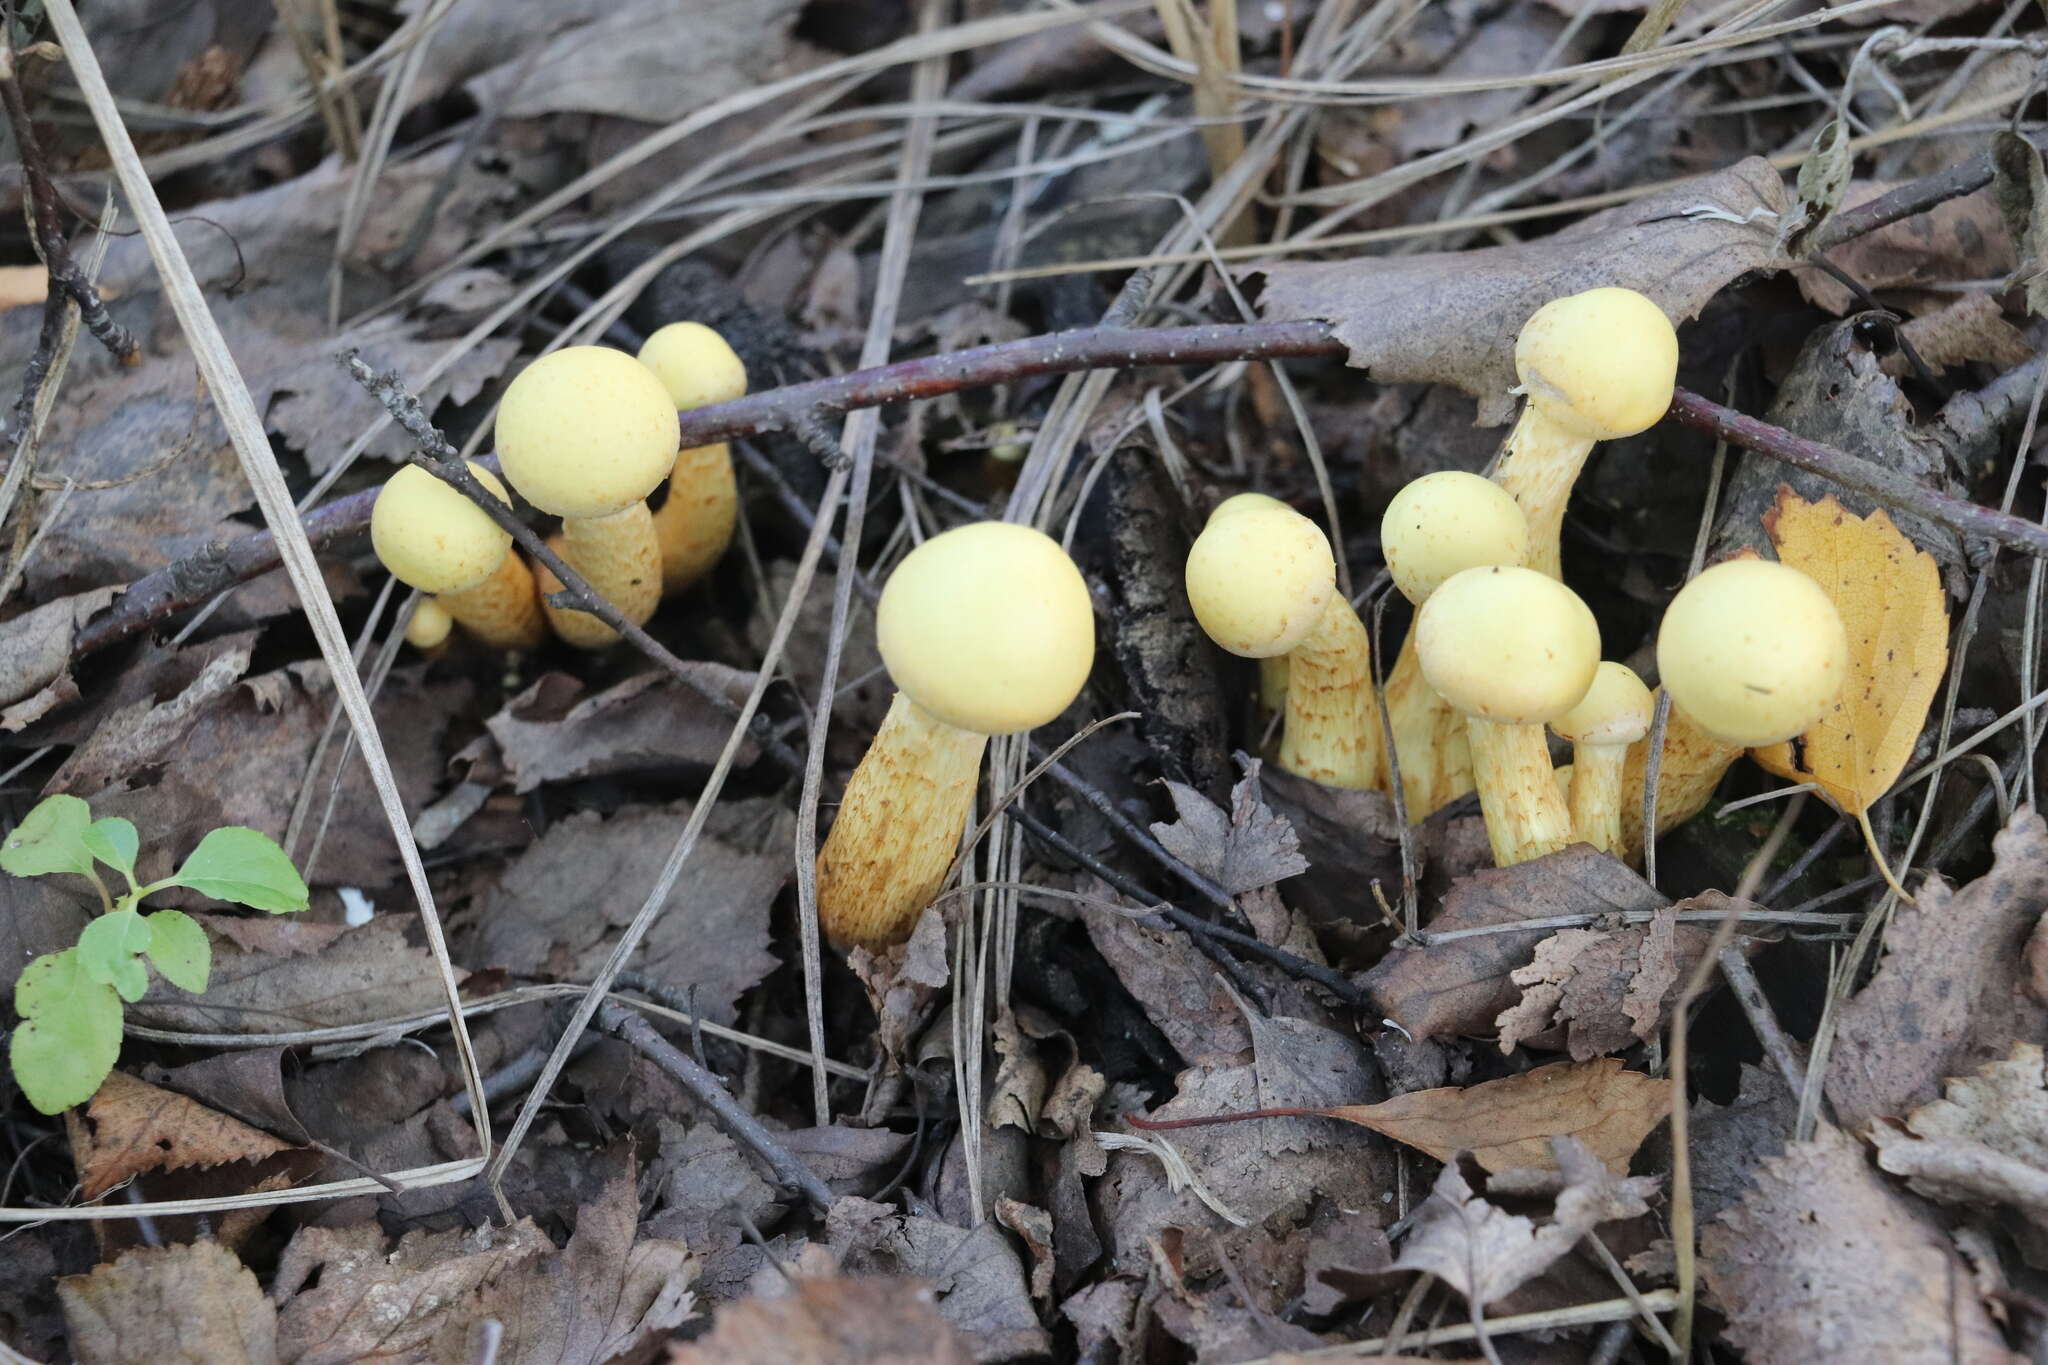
(71, 1002)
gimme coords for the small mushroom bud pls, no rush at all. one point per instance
(1613, 714)
(1513, 650)
(1436, 526)
(1263, 582)
(586, 433)
(433, 538)
(429, 626)
(1752, 652)
(1594, 367)
(986, 629)
(695, 525)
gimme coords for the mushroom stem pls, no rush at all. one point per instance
(898, 827)
(1693, 765)
(1333, 732)
(1596, 790)
(620, 558)
(1542, 463)
(1526, 815)
(503, 611)
(1429, 738)
(695, 525)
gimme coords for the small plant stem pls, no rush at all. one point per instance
(106, 901)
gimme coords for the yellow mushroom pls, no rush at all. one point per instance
(1512, 649)
(1752, 652)
(1614, 713)
(1436, 526)
(986, 630)
(695, 525)
(586, 433)
(1593, 367)
(1263, 582)
(429, 626)
(433, 538)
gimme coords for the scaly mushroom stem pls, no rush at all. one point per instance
(1542, 463)
(1596, 794)
(503, 611)
(695, 525)
(898, 827)
(1694, 764)
(1333, 731)
(1526, 815)
(620, 558)
(1429, 737)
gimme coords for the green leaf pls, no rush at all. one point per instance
(109, 952)
(238, 864)
(50, 838)
(113, 842)
(45, 982)
(179, 949)
(63, 1051)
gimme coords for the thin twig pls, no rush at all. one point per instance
(708, 1091)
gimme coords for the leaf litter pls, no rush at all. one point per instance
(994, 1187)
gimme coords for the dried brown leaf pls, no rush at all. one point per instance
(1509, 1123)
(189, 1304)
(1452, 317)
(1951, 993)
(979, 1281)
(830, 1320)
(35, 656)
(1960, 239)
(564, 902)
(1240, 850)
(1608, 987)
(1820, 1261)
(379, 970)
(1463, 986)
(1485, 1253)
(553, 732)
(131, 1127)
(1987, 1142)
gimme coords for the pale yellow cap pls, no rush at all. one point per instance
(429, 625)
(1245, 502)
(1445, 523)
(1616, 710)
(1600, 364)
(1753, 651)
(433, 538)
(1507, 644)
(695, 364)
(988, 627)
(1259, 578)
(586, 432)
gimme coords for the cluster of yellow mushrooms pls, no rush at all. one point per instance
(586, 434)
(988, 629)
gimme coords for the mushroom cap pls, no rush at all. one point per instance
(433, 538)
(586, 432)
(695, 364)
(987, 626)
(1445, 523)
(1507, 644)
(1616, 710)
(1600, 364)
(1244, 502)
(1753, 651)
(1259, 578)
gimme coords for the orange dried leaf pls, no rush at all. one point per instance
(1889, 594)
(131, 1127)
(1508, 1124)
